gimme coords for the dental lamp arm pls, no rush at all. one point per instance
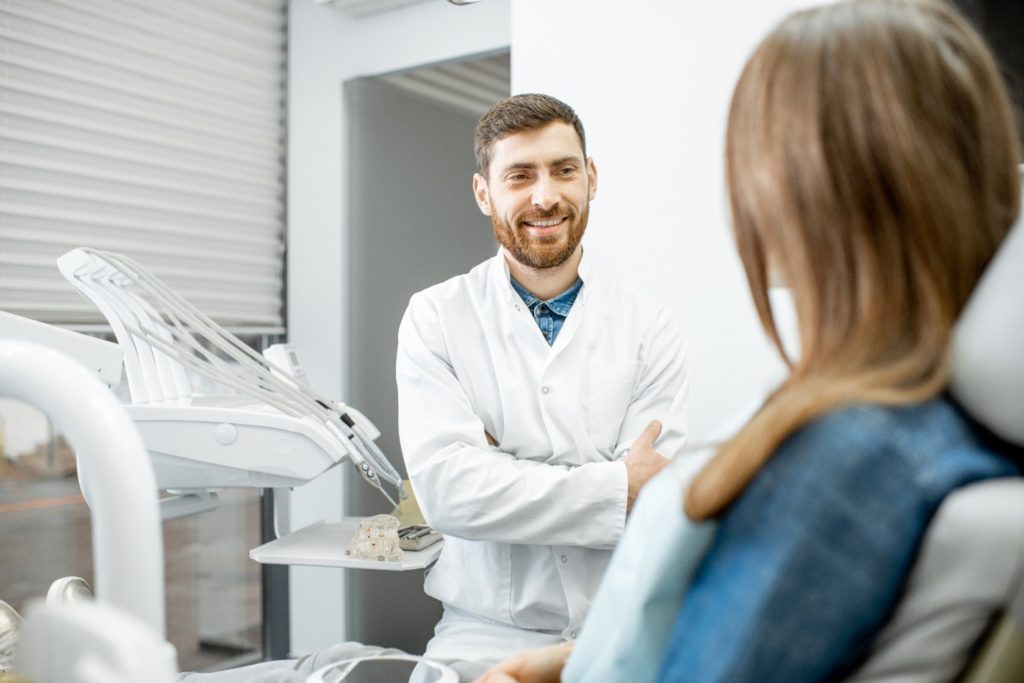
(127, 548)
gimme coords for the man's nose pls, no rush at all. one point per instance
(544, 193)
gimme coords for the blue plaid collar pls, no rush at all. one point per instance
(560, 304)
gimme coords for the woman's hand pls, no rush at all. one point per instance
(543, 665)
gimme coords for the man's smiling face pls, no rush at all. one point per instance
(538, 193)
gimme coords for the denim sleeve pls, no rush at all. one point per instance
(810, 561)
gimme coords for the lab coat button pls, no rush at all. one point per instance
(572, 634)
(545, 390)
(564, 559)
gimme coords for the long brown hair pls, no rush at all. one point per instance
(871, 158)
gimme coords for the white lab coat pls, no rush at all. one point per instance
(529, 524)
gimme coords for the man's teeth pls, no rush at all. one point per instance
(544, 224)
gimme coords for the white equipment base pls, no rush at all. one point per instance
(323, 545)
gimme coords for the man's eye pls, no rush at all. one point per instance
(518, 177)
(568, 170)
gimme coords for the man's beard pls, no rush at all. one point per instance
(541, 252)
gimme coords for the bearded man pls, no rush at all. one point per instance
(536, 397)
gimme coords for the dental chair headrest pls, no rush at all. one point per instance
(988, 344)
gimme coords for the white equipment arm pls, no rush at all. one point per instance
(164, 338)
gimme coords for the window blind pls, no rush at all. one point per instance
(153, 128)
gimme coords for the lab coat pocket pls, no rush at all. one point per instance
(609, 392)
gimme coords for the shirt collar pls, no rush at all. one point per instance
(560, 304)
(524, 294)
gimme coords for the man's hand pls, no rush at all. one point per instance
(543, 665)
(643, 462)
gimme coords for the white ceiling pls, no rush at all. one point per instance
(469, 85)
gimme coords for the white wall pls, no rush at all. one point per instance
(651, 80)
(327, 48)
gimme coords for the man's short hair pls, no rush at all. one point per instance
(517, 114)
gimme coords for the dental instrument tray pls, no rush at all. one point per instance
(324, 544)
(417, 537)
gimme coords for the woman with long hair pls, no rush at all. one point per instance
(872, 167)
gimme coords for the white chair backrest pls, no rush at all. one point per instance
(969, 569)
(988, 344)
(971, 563)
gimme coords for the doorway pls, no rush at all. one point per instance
(412, 223)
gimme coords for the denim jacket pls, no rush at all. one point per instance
(808, 564)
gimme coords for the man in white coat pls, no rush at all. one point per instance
(533, 392)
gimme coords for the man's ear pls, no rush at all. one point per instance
(592, 176)
(481, 194)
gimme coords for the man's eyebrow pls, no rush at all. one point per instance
(566, 160)
(519, 166)
(529, 165)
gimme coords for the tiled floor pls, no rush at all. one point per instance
(213, 588)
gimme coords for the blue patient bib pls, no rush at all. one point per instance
(628, 627)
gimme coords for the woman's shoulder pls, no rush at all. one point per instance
(933, 443)
(938, 418)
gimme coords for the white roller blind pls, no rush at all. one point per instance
(154, 128)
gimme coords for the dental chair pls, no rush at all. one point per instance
(970, 568)
(971, 563)
(1001, 659)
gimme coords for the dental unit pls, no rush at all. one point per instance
(272, 432)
